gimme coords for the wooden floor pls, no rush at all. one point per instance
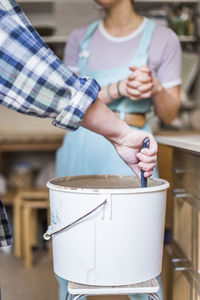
(19, 283)
(38, 283)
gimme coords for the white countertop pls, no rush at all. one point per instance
(188, 141)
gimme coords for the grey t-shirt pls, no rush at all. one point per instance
(107, 51)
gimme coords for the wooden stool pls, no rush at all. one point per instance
(29, 208)
(21, 198)
(148, 288)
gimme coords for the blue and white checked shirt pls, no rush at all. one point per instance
(34, 81)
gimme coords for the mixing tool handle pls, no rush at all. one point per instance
(145, 144)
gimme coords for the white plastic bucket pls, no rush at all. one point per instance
(121, 242)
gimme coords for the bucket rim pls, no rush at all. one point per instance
(164, 184)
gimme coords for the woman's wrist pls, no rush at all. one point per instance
(119, 89)
(158, 88)
(111, 93)
(114, 91)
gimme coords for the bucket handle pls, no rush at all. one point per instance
(47, 235)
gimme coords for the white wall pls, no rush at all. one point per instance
(70, 14)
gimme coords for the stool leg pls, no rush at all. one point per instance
(27, 237)
(153, 296)
(74, 297)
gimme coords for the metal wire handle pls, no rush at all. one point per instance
(49, 235)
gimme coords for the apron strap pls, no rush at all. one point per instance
(141, 55)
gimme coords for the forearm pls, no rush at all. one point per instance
(127, 141)
(167, 103)
(100, 119)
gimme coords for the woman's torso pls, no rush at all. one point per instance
(114, 74)
(107, 52)
(85, 157)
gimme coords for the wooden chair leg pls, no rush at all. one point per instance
(27, 234)
(34, 227)
(18, 226)
(25, 223)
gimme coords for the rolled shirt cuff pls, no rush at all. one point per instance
(72, 115)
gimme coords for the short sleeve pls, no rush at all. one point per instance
(169, 69)
(71, 51)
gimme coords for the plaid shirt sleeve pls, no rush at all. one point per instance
(33, 80)
(5, 229)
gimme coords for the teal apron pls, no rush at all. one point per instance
(84, 152)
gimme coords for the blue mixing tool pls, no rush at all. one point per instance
(145, 144)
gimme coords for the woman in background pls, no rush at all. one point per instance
(138, 64)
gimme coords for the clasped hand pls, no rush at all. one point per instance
(139, 84)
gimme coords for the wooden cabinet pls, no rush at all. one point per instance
(183, 255)
(165, 157)
(186, 204)
(196, 293)
(198, 244)
(179, 281)
(181, 287)
(183, 234)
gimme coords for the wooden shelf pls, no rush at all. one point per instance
(30, 142)
(8, 198)
(185, 38)
(138, 1)
(55, 39)
(29, 147)
(63, 39)
(35, 1)
(167, 1)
